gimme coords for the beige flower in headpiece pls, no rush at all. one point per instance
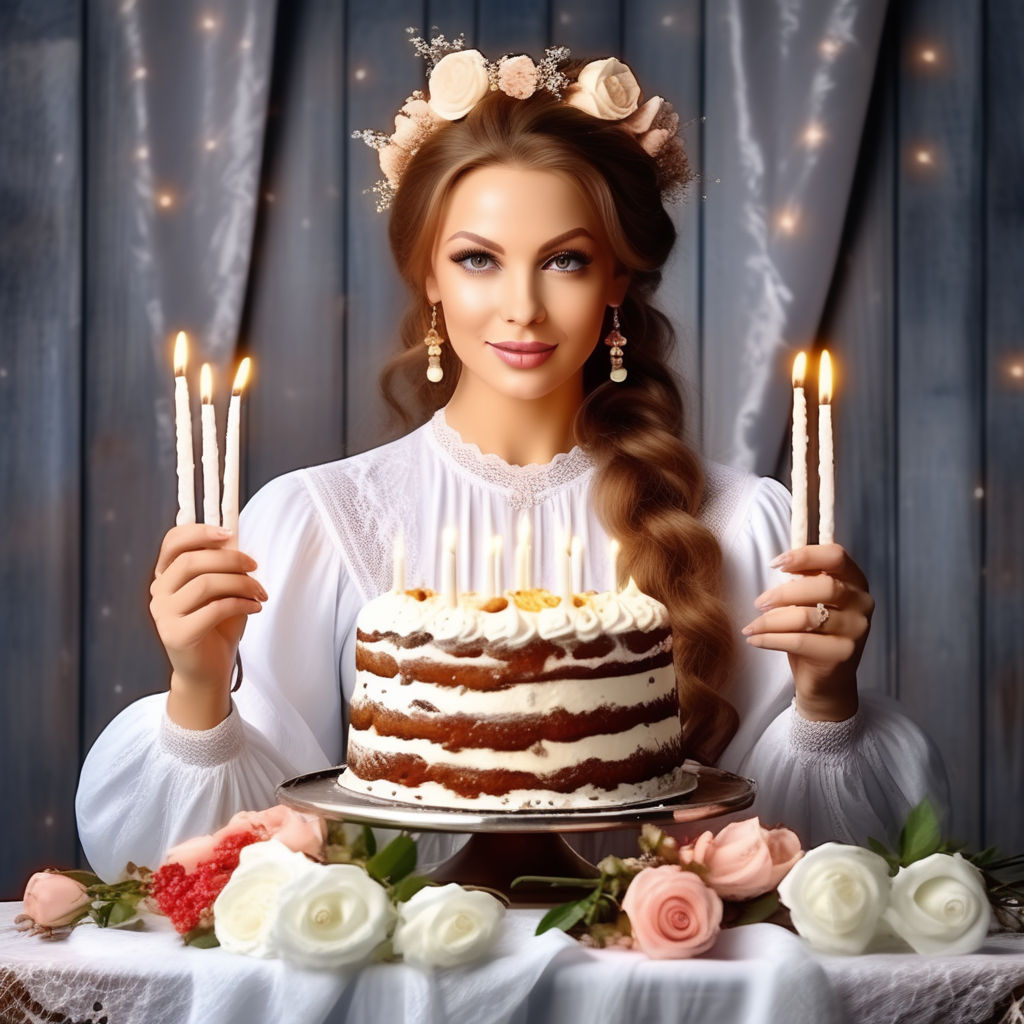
(414, 124)
(653, 124)
(518, 77)
(457, 83)
(606, 89)
(393, 161)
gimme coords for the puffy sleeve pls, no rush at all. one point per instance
(841, 781)
(148, 783)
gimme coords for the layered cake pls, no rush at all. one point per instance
(514, 702)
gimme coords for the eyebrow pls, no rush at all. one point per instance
(480, 240)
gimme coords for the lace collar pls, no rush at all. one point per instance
(526, 485)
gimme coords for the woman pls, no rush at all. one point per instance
(528, 221)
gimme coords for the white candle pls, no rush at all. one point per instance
(614, 547)
(211, 456)
(229, 505)
(564, 569)
(183, 435)
(524, 553)
(826, 459)
(492, 567)
(449, 581)
(398, 562)
(576, 555)
(798, 522)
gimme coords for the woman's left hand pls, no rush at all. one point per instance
(821, 619)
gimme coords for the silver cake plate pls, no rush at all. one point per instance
(507, 844)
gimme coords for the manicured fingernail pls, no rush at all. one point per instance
(223, 533)
(764, 602)
(747, 630)
(780, 561)
(261, 594)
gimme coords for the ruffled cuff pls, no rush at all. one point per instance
(205, 748)
(812, 740)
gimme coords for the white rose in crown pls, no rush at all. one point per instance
(836, 895)
(334, 916)
(606, 89)
(244, 912)
(939, 905)
(458, 82)
(446, 925)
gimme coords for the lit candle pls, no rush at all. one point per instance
(398, 562)
(229, 505)
(826, 461)
(576, 554)
(449, 583)
(564, 569)
(211, 457)
(614, 547)
(798, 523)
(183, 435)
(524, 553)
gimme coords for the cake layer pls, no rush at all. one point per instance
(508, 731)
(469, 782)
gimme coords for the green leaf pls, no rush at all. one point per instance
(369, 841)
(201, 938)
(565, 916)
(409, 886)
(759, 909)
(85, 878)
(120, 911)
(579, 883)
(920, 837)
(886, 854)
(395, 861)
(101, 914)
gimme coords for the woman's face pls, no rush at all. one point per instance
(524, 272)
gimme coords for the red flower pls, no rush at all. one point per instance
(187, 897)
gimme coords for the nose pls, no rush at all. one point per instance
(522, 302)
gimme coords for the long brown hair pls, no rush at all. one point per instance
(649, 483)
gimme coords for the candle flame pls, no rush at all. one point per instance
(799, 369)
(206, 384)
(180, 354)
(241, 377)
(825, 378)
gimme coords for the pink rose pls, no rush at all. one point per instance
(744, 860)
(302, 833)
(414, 124)
(673, 914)
(192, 852)
(53, 900)
(517, 77)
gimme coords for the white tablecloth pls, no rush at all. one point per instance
(760, 973)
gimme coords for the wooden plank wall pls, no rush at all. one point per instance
(922, 315)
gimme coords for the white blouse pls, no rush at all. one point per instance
(323, 541)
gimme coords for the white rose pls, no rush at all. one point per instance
(458, 82)
(939, 905)
(607, 89)
(332, 917)
(446, 925)
(836, 895)
(244, 912)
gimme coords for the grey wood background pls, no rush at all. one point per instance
(923, 314)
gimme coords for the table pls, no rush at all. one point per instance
(759, 974)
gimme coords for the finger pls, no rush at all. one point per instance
(818, 589)
(191, 629)
(192, 537)
(190, 564)
(797, 619)
(212, 586)
(814, 558)
(819, 647)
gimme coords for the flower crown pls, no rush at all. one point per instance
(458, 79)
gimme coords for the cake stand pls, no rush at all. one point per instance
(506, 844)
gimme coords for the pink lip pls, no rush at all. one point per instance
(523, 355)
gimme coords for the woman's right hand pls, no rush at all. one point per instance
(200, 597)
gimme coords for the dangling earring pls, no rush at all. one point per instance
(615, 341)
(433, 341)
